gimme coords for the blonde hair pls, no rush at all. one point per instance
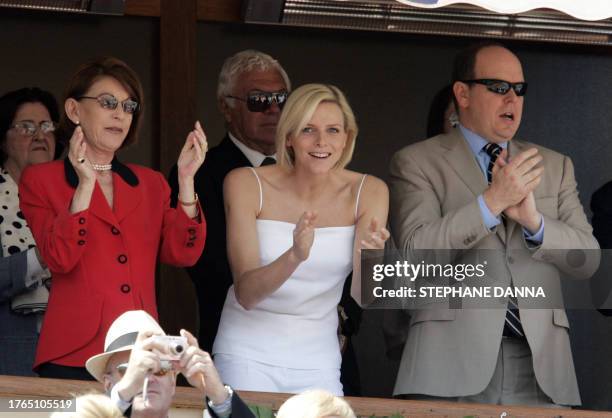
(298, 111)
(92, 405)
(315, 404)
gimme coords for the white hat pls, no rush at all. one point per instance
(121, 336)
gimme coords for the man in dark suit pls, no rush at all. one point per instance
(252, 88)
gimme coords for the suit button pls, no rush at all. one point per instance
(122, 259)
(114, 231)
(81, 220)
(192, 231)
(125, 288)
(192, 238)
(82, 232)
(81, 242)
(190, 244)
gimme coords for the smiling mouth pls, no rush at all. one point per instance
(40, 148)
(319, 155)
(508, 116)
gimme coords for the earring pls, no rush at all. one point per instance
(77, 123)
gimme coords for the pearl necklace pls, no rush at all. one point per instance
(101, 167)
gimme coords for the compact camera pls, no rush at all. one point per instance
(175, 346)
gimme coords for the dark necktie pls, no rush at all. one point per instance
(512, 326)
(493, 150)
(268, 161)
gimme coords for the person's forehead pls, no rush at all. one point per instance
(499, 63)
(268, 80)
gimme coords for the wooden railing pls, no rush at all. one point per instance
(188, 403)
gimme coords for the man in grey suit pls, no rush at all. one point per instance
(478, 188)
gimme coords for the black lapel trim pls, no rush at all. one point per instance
(118, 167)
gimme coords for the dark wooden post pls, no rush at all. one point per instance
(176, 297)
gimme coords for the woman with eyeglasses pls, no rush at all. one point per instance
(28, 118)
(295, 230)
(101, 224)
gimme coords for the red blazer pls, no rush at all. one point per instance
(103, 260)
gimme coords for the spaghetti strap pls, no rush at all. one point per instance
(260, 190)
(358, 194)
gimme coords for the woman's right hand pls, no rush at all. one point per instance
(303, 235)
(76, 155)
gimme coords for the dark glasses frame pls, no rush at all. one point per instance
(31, 128)
(500, 86)
(260, 101)
(108, 101)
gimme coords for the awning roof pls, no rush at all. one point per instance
(580, 9)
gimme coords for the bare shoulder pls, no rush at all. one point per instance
(368, 183)
(242, 177)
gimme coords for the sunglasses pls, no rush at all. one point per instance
(121, 369)
(30, 128)
(260, 101)
(500, 86)
(108, 101)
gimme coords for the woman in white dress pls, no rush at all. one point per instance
(295, 230)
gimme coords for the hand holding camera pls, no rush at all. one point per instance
(199, 370)
(143, 361)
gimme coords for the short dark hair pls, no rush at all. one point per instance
(87, 74)
(10, 104)
(465, 61)
(464, 65)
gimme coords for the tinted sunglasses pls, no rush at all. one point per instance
(260, 101)
(121, 368)
(500, 86)
(30, 128)
(108, 101)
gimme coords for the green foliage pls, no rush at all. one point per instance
(261, 411)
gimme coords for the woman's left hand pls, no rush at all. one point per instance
(376, 237)
(193, 153)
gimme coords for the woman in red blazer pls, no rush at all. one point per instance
(100, 224)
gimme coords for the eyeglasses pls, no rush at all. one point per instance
(500, 86)
(108, 101)
(30, 128)
(122, 368)
(260, 101)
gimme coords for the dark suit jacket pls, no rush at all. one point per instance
(211, 275)
(601, 206)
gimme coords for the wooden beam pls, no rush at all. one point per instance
(177, 302)
(209, 10)
(142, 8)
(220, 10)
(12, 387)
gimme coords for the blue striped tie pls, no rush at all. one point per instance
(512, 326)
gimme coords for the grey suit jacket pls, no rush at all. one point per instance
(434, 190)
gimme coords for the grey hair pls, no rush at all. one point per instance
(245, 61)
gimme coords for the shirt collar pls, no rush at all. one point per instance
(121, 169)
(475, 141)
(254, 157)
